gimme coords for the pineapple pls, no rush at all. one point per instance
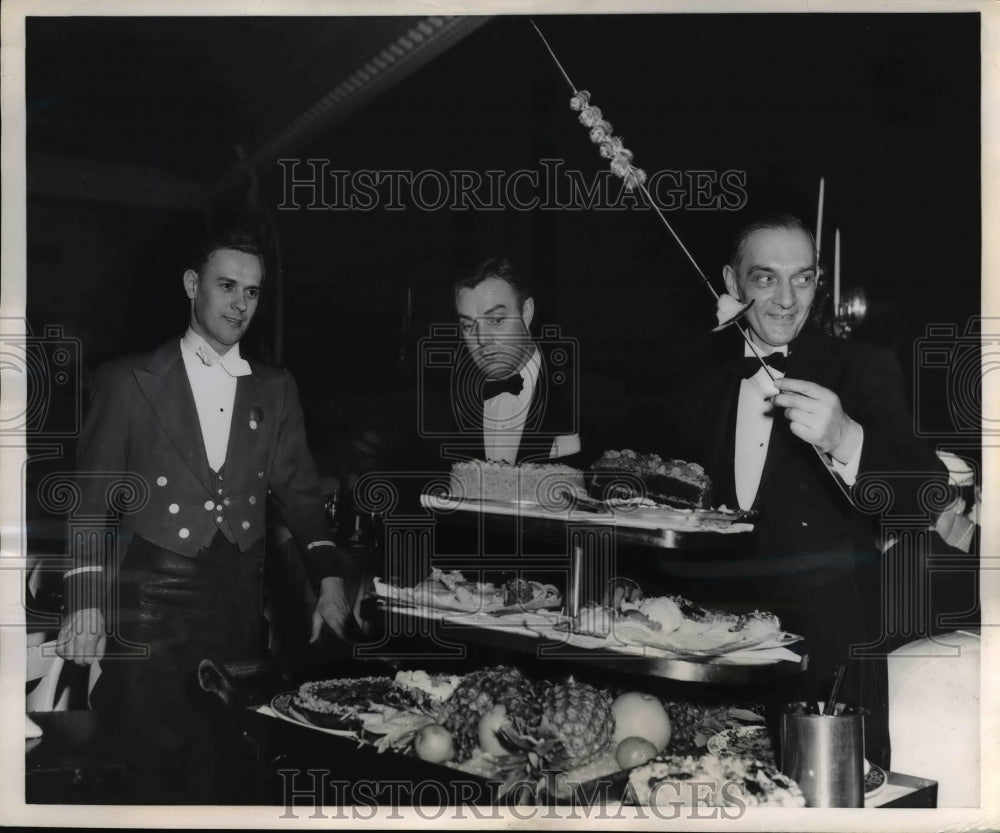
(685, 721)
(577, 718)
(478, 693)
(577, 725)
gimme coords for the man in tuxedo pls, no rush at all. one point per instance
(514, 393)
(816, 556)
(203, 437)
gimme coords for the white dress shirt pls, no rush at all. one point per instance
(505, 414)
(214, 387)
(754, 418)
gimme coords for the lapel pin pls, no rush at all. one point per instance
(256, 417)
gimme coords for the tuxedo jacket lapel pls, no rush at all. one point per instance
(252, 392)
(466, 405)
(166, 387)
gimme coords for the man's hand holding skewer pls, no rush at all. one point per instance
(817, 417)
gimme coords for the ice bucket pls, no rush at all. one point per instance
(824, 754)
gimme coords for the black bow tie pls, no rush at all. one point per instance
(749, 365)
(512, 384)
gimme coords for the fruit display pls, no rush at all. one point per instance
(500, 724)
(478, 694)
(577, 725)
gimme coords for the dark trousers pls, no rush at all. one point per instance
(184, 609)
(833, 618)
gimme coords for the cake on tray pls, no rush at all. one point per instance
(544, 483)
(628, 474)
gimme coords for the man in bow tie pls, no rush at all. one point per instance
(815, 559)
(517, 394)
(205, 437)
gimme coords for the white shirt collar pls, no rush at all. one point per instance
(764, 352)
(233, 363)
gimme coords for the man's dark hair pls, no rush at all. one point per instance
(776, 219)
(503, 270)
(238, 239)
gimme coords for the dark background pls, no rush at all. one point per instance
(885, 107)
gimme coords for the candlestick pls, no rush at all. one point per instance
(819, 220)
(836, 274)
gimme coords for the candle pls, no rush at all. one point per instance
(836, 273)
(819, 221)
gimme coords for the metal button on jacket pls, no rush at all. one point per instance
(173, 509)
(161, 481)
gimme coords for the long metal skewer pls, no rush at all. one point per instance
(743, 332)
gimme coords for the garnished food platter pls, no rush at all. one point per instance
(664, 637)
(551, 738)
(724, 746)
(281, 705)
(451, 591)
(745, 741)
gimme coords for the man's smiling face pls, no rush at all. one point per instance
(224, 297)
(777, 271)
